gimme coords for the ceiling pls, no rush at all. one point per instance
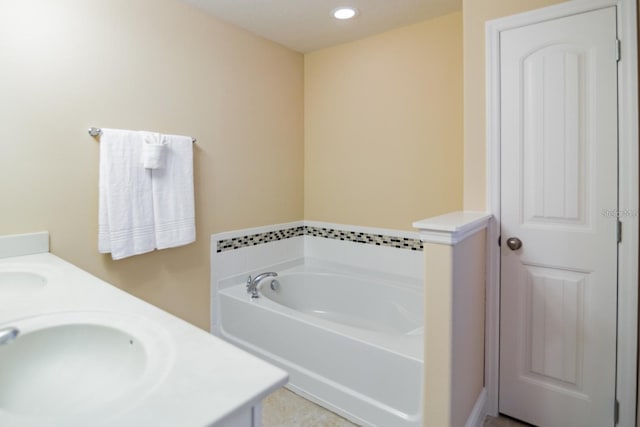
(307, 25)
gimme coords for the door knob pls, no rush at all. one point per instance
(514, 243)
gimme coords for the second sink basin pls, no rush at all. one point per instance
(67, 364)
(21, 281)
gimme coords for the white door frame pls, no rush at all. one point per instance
(628, 195)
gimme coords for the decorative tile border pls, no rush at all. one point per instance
(327, 233)
(256, 239)
(367, 238)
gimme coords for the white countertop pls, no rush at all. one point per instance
(206, 380)
(453, 227)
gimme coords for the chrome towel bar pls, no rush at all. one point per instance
(97, 132)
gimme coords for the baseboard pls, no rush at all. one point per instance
(476, 418)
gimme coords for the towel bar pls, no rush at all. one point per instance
(97, 132)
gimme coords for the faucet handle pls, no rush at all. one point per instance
(8, 334)
(248, 285)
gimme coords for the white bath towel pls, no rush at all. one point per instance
(173, 197)
(125, 211)
(154, 150)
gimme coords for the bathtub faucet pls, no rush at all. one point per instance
(8, 334)
(252, 284)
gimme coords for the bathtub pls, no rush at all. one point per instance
(352, 342)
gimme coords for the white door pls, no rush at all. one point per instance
(559, 191)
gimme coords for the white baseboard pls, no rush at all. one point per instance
(476, 418)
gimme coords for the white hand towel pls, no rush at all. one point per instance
(173, 198)
(125, 212)
(153, 150)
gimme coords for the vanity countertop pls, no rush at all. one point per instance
(206, 380)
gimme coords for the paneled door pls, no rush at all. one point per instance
(559, 139)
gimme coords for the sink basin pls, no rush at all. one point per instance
(17, 279)
(65, 365)
(21, 281)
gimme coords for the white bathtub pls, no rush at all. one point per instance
(351, 342)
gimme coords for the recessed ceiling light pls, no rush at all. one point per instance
(344, 12)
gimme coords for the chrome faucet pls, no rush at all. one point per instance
(252, 284)
(8, 334)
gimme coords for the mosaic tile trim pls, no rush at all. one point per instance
(367, 238)
(256, 239)
(327, 233)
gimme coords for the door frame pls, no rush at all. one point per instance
(628, 198)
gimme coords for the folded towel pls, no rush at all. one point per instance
(153, 150)
(173, 199)
(125, 211)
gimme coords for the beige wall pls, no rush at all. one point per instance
(383, 127)
(454, 330)
(149, 64)
(475, 14)
(438, 306)
(468, 307)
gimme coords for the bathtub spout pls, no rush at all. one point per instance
(252, 284)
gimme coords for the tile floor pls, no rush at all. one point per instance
(503, 422)
(286, 409)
